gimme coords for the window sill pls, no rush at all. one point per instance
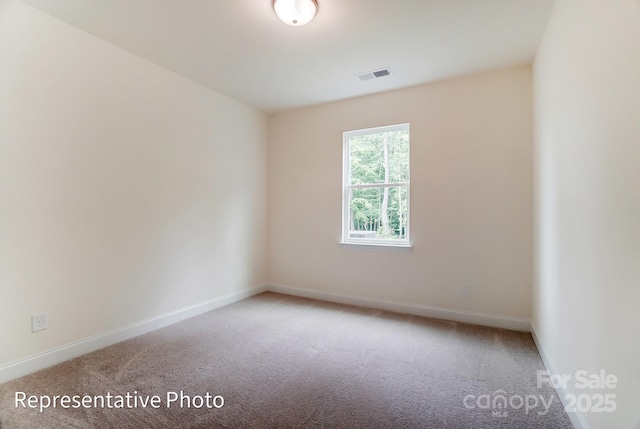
(376, 247)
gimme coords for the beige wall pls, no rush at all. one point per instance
(471, 196)
(126, 191)
(587, 103)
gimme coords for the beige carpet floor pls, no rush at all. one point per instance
(285, 362)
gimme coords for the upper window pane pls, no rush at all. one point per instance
(379, 156)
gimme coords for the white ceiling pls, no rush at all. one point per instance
(240, 48)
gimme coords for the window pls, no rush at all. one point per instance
(375, 202)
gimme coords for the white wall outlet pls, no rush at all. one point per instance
(38, 322)
(466, 291)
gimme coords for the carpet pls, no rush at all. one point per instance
(277, 361)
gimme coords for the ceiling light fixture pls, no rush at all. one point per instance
(295, 12)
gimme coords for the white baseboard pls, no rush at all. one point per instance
(60, 354)
(577, 419)
(512, 323)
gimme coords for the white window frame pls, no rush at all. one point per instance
(346, 187)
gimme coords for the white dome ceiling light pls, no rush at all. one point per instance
(295, 12)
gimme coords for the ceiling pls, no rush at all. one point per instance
(241, 49)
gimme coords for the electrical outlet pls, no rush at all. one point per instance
(38, 322)
(466, 291)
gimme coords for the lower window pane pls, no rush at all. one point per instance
(378, 213)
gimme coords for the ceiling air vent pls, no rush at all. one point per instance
(374, 74)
